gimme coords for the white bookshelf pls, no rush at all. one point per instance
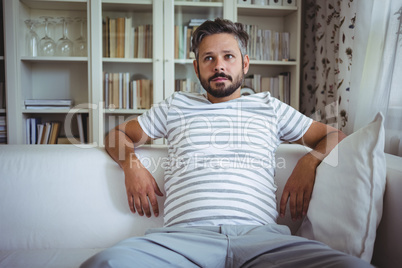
(81, 78)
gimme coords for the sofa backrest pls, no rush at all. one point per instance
(64, 196)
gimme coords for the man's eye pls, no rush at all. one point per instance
(208, 58)
(229, 56)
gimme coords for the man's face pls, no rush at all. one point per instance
(220, 67)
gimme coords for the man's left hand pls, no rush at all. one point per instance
(298, 189)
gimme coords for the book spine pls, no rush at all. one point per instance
(120, 37)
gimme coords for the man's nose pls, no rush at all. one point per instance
(219, 65)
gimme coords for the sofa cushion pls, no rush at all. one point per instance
(45, 258)
(346, 204)
(66, 196)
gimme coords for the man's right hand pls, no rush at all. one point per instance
(141, 190)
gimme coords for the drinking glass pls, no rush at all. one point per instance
(80, 44)
(32, 38)
(47, 46)
(64, 46)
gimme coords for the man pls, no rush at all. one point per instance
(220, 209)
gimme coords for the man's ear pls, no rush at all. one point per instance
(246, 62)
(195, 64)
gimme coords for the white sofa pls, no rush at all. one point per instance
(61, 204)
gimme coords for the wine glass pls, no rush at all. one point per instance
(47, 46)
(32, 38)
(64, 46)
(80, 44)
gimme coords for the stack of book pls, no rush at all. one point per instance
(278, 86)
(120, 92)
(123, 40)
(48, 104)
(38, 133)
(183, 36)
(187, 85)
(3, 130)
(267, 45)
(49, 132)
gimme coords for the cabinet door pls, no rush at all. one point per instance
(132, 52)
(181, 18)
(38, 76)
(274, 48)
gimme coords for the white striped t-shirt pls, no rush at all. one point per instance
(222, 156)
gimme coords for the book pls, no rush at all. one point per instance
(121, 90)
(80, 128)
(126, 87)
(128, 48)
(120, 37)
(112, 38)
(67, 140)
(46, 133)
(276, 55)
(133, 95)
(49, 102)
(105, 37)
(54, 133)
(267, 45)
(285, 46)
(40, 128)
(265, 84)
(106, 89)
(32, 130)
(141, 41)
(36, 107)
(110, 93)
(115, 90)
(2, 96)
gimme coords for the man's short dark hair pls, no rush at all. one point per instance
(218, 26)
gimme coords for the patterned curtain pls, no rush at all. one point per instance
(327, 60)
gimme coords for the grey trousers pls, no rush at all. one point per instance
(222, 246)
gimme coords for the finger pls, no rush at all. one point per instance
(306, 202)
(293, 206)
(138, 206)
(284, 200)
(145, 206)
(157, 190)
(299, 206)
(154, 204)
(130, 202)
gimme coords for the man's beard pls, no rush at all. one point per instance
(221, 91)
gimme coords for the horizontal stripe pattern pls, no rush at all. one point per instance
(222, 156)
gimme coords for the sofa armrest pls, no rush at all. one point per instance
(388, 244)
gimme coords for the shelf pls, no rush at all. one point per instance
(197, 7)
(1, 57)
(198, 4)
(272, 11)
(54, 111)
(125, 111)
(56, 4)
(54, 59)
(183, 61)
(253, 62)
(272, 62)
(126, 60)
(2, 111)
(127, 6)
